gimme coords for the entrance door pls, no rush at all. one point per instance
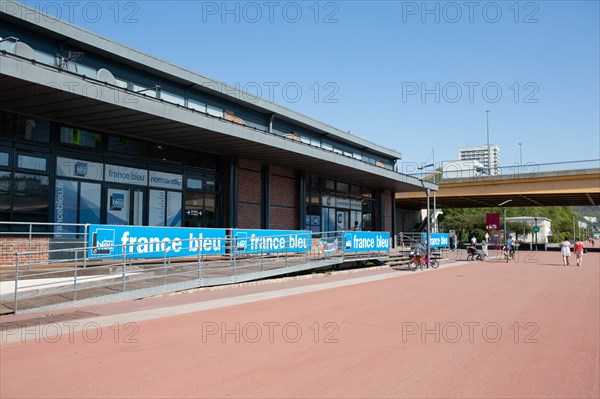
(125, 206)
(342, 220)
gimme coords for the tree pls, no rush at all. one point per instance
(466, 220)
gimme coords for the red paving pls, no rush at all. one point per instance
(520, 330)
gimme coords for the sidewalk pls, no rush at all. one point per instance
(472, 330)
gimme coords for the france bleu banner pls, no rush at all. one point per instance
(153, 242)
(437, 240)
(271, 241)
(366, 241)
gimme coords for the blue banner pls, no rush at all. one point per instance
(437, 240)
(366, 241)
(153, 242)
(271, 241)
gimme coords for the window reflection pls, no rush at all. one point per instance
(33, 129)
(32, 163)
(31, 193)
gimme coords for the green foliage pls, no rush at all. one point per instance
(471, 221)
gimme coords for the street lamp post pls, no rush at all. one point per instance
(487, 122)
(434, 205)
(504, 216)
(520, 157)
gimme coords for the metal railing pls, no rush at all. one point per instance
(33, 284)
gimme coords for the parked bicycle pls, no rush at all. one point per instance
(420, 260)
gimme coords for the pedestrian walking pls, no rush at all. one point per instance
(565, 251)
(578, 249)
(484, 247)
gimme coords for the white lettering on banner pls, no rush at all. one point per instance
(274, 243)
(147, 245)
(60, 198)
(383, 242)
(165, 180)
(379, 242)
(122, 174)
(360, 243)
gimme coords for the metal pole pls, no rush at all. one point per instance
(16, 280)
(504, 209)
(487, 119)
(199, 260)
(123, 268)
(85, 237)
(29, 246)
(520, 157)
(75, 278)
(428, 228)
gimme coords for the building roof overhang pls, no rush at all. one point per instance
(37, 89)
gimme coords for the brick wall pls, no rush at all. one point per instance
(249, 187)
(387, 195)
(284, 199)
(11, 245)
(283, 196)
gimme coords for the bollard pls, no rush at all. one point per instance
(123, 271)
(16, 280)
(75, 279)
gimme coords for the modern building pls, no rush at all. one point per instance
(488, 156)
(92, 131)
(543, 224)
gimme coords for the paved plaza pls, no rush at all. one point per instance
(526, 329)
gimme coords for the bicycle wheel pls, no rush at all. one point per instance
(434, 263)
(413, 265)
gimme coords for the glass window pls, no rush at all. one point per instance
(211, 184)
(8, 129)
(343, 187)
(4, 159)
(33, 129)
(210, 211)
(194, 183)
(165, 153)
(121, 145)
(80, 137)
(31, 163)
(194, 202)
(89, 203)
(5, 189)
(329, 184)
(31, 193)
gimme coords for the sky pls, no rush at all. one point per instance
(412, 76)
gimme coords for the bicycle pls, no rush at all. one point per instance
(509, 253)
(420, 260)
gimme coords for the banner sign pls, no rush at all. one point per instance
(271, 241)
(492, 221)
(437, 240)
(153, 242)
(366, 241)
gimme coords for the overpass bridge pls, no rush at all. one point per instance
(535, 188)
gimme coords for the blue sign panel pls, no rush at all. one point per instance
(366, 241)
(153, 242)
(437, 240)
(271, 241)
